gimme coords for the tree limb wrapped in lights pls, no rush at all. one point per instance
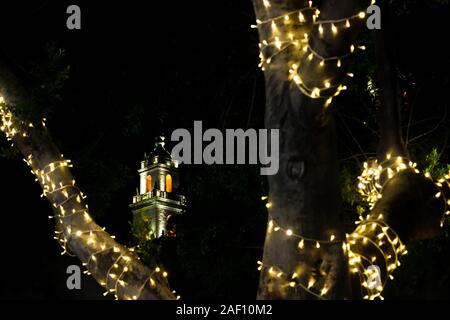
(304, 57)
(310, 53)
(292, 33)
(381, 244)
(379, 241)
(374, 242)
(375, 174)
(114, 266)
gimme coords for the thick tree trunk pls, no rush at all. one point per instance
(305, 193)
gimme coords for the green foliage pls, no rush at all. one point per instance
(434, 166)
(141, 228)
(148, 247)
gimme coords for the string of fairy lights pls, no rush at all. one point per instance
(293, 280)
(445, 179)
(74, 221)
(375, 176)
(372, 243)
(372, 238)
(370, 184)
(372, 232)
(290, 31)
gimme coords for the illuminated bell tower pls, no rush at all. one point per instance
(157, 196)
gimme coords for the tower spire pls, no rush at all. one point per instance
(158, 200)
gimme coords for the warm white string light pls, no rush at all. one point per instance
(371, 231)
(441, 182)
(68, 202)
(375, 175)
(372, 240)
(293, 280)
(274, 227)
(285, 34)
(374, 232)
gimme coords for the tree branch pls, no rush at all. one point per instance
(389, 120)
(114, 266)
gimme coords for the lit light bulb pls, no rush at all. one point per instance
(320, 29)
(334, 29)
(301, 17)
(274, 26)
(315, 93)
(277, 43)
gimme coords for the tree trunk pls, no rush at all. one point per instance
(389, 119)
(304, 194)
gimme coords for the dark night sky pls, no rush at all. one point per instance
(139, 69)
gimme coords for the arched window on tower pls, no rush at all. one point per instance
(168, 183)
(149, 183)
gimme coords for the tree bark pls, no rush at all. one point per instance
(415, 214)
(305, 193)
(389, 118)
(114, 266)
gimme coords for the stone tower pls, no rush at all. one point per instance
(157, 197)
